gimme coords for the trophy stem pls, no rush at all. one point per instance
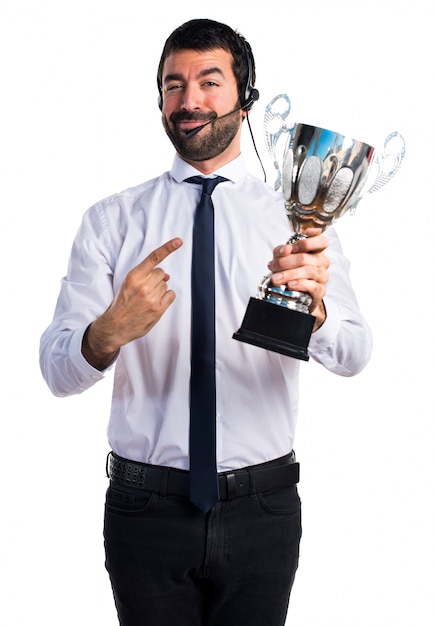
(282, 296)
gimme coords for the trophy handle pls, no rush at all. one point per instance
(273, 126)
(386, 166)
(389, 162)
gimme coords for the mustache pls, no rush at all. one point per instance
(181, 116)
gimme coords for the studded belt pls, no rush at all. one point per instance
(277, 474)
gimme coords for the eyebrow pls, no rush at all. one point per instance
(201, 74)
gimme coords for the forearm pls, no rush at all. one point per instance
(97, 348)
(86, 291)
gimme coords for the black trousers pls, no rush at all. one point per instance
(169, 564)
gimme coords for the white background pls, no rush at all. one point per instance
(78, 121)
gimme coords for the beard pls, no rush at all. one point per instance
(202, 146)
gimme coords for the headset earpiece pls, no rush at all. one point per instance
(253, 97)
(251, 94)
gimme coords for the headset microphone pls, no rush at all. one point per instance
(247, 105)
(192, 132)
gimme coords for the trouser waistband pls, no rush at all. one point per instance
(276, 474)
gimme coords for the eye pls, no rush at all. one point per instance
(174, 87)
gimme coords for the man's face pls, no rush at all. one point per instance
(197, 87)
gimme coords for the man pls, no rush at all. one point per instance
(127, 301)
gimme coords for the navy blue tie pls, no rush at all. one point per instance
(204, 488)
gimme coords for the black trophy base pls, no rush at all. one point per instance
(276, 328)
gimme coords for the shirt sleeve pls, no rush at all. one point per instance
(86, 292)
(343, 344)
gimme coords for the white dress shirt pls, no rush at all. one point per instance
(257, 390)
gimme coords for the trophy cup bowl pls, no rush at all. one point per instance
(323, 176)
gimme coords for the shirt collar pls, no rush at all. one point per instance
(234, 170)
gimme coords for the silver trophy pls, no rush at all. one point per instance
(324, 175)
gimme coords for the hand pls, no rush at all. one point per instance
(142, 299)
(303, 266)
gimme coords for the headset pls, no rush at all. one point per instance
(247, 96)
(251, 94)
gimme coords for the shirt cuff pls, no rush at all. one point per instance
(326, 335)
(86, 372)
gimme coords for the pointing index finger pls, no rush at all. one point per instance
(156, 256)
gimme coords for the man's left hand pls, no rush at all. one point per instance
(303, 266)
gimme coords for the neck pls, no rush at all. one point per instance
(211, 165)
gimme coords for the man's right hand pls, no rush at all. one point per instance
(142, 299)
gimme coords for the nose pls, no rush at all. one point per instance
(191, 100)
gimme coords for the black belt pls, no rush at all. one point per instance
(268, 476)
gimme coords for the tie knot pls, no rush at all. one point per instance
(208, 184)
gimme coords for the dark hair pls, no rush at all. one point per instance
(204, 34)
